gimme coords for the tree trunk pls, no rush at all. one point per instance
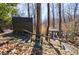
(69, 14)
(59, 6)
(37, 49)
(48, 7)
(53, 16)
(28, 10)
(63, 14)
(38, 28)
(60, 19)
(75, 10)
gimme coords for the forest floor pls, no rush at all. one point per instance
(11, 46)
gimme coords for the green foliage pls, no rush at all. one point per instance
(6, 10)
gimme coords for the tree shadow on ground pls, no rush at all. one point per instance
(23, 37)
(58, 52)
(37, 49)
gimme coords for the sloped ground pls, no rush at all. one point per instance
(16, 47)
(66, 49)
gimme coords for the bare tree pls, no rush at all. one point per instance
(60, 20)
(34, 14)
(28, 10)
(69, 13)
(63, 12)
(75, 24)
(38, 28)
(75, 10)
(37, 49)
(53, 16)
(48, 8)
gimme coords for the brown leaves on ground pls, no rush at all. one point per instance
(9, 47)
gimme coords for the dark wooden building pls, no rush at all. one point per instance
(21, 23)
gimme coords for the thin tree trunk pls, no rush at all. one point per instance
(60, 20)
(69, 17)
(53, 16)
(28, 10)
(63, 15)
(48, 7)
(75, 10)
